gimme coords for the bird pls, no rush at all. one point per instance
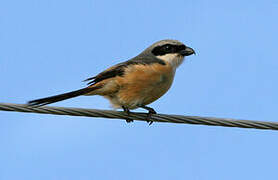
(134, 83)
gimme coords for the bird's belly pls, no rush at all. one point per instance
(142, 88)
(157, 90)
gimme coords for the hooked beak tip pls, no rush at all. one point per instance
(187, 51)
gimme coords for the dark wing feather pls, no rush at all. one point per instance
(119, 69)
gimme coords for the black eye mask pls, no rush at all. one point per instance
(167, 49)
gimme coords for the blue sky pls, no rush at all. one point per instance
(49, 47)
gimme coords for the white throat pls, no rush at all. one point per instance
(173, 59)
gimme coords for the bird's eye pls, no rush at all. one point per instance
(167, 48)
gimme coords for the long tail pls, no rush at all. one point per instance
(60, 97)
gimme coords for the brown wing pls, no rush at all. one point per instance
(118, 69)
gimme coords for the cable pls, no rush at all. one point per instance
(211, 121)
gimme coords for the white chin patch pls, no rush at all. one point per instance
(174, 59)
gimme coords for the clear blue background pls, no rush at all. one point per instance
(49, 47)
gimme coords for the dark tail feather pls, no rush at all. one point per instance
(60, 97)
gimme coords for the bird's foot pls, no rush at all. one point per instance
(150, 113)
(126, 110)
(128, 120)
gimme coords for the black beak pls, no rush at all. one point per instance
(187, 51)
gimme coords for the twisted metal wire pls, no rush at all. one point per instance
(211, 121)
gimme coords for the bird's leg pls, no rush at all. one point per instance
(151, 111)
(126, 110)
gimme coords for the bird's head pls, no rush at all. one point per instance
(170, 51)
